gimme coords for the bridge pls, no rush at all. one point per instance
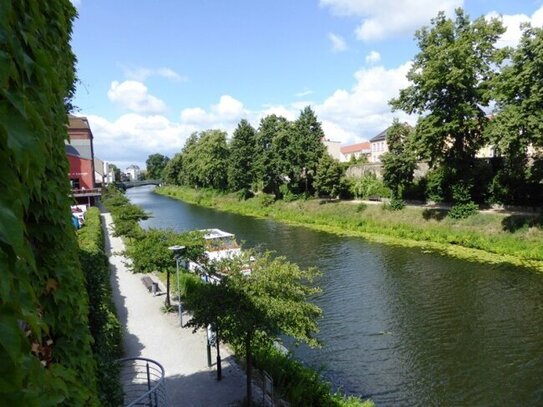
(132, 184)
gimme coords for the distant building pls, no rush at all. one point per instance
(378, 146)
(133, 172)
(80, 153)
(355, 151)
(333, 148)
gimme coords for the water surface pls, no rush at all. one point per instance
(401, 326)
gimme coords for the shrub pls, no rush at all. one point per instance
(369, 186)
(463, 210)
(103, 323)
(265, 200)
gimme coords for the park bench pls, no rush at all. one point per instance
(150, 284)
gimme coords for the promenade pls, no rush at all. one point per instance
(150, 333)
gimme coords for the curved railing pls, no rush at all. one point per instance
(143, 383)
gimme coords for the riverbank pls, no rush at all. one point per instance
(490, 238)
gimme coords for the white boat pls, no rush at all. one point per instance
(219, 245)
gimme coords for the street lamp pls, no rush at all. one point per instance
(177, 252)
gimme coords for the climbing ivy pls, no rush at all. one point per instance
(45, 345)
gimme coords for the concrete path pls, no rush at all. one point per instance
(152, 334)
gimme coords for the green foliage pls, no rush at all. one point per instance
(451, 78)
(305, 151)
(150, 251)
(205, 158)
(298, 384)
(463, 210)
(126, 216)
(103, 323)
(329, 175)
(271, 300)
(173, 169)
(242, 154)
(155, 165)
(369, 186)
(287, 194)
(270, 159)
(45, 343)
(399, 162)
(265, 200)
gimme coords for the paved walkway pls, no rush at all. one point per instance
(152, 334)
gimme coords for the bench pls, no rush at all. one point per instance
(150, 284)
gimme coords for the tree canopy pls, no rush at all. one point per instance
(273, 299)
(451, 81)
(155, 165)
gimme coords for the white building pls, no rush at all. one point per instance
(378, 146)
(133, 172)
(355, 151)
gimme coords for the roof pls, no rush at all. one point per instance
(380, 137)
(133, 167)
(79, 148)
(215, 234)
(76, 122)
(354, 148)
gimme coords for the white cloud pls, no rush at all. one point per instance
(385, 18)
(134, 96)
(224, 115)
(303, 93)
(363, 111)
(373, 57)
(141, 74)
(338, 43)
(512, 23)
(132, 137)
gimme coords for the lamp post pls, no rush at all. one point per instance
(177, 252)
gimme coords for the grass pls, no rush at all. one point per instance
(483, 237)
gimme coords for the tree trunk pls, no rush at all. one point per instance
(167, 301)
(249, 369)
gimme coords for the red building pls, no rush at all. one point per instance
(80, 153)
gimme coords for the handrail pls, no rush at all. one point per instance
(143, 382)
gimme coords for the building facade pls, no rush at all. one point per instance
(355, 151)
(80, 153)
(378, 146)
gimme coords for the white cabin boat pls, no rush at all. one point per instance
(219, 245)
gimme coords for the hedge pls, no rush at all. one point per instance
(104, 325)
(45, 342)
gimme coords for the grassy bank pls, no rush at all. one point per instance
(492, 238)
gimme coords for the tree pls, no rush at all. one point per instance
(451, 77)
(155, 165)
(150, 252)
(173, 169)
(241, 169)
(268, 154)
(305, 150)
(271, 300)
(329, 175)
(205, 158)
(518, 123)
(399, 162)
(116, 172)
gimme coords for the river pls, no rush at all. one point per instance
(400, 325)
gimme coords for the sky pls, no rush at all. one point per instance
(151, 72)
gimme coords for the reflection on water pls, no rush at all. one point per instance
(401, 326)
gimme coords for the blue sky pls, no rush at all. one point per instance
(152, 72)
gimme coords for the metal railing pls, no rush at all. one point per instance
(143, 383)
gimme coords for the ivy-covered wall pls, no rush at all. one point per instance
(45, 345)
